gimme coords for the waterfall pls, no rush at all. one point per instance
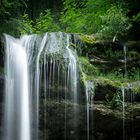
(72, 68)
(87, 99)
(125, 60)
(123, 89)
(89, 90)
(123, 109)
(17, 98)
(37, 66)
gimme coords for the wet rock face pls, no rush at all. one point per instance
(113, 56)
(60, 121)
(1, 102)
(104, 123)
(101, 92)
(109, 124)
(104, 92)
(1, 53)
(1, 88)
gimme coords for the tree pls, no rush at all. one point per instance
(115, 21)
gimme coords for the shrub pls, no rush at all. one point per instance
(44, 23)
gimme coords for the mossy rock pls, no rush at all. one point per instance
(135, 87)
(104, 81)
(88, 39)
(132, 44)
(107, 87)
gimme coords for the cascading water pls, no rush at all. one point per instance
(89, 90)
(125, 60)
(36, 65)
(123, 89)
(17, 99)
(123, 109)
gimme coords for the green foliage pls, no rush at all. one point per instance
(134, 73)
(73, 17)
(93, 10)
(87, 70)
(72, 20)
(115, 102)
(87, 67)
(25, 25)
(4, 6)
(113, 54)
(44, 23)
(85, 64)
(92, 16)
(136, 18)
(9, 8)
(80, 16)
(9, 27)
(115, 21)
(84, 61)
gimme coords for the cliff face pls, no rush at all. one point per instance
(104, 123)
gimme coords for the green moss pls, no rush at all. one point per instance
(84, 60)
(83, 80)
(82, 76)
(104, 81)
(88, 39)
(135, 88)
(87, 67)
(125, 84)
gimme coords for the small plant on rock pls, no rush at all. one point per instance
(115, 102)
